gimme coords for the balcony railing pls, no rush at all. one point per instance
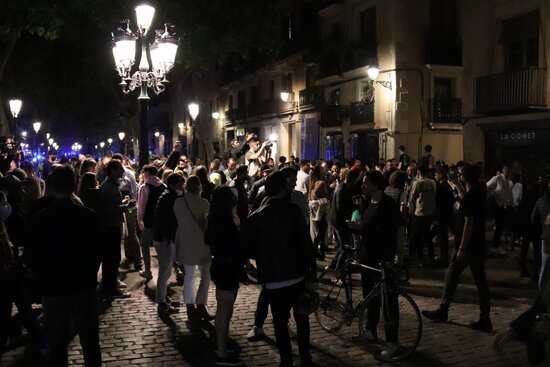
(446, 110)
(514, 90)
(268, 106)
(285, 106)
(361, 113)
(311, 96)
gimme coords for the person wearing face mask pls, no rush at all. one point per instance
(165, 225)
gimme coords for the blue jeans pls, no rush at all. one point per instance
(343, 237)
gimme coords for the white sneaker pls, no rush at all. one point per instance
(146, 274)
(390, 351)
(121, 284)
(255, 333)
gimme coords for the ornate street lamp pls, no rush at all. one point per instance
(194, 113)
(162, 52)
(215, 115)
(121, 136)
(15, 107)
(36, 127)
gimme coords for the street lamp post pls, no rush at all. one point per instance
(36, 127)
(193, 112)
(121, 136)
(162, 53)
(15, 107)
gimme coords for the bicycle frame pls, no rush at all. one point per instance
(353, 310)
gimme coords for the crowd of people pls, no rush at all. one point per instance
(207, 223)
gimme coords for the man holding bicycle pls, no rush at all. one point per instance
(379, 243)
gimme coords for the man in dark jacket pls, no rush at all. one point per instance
(164, 229)
(67, 259)
(238, 150)
(278, 239)
(112, 208)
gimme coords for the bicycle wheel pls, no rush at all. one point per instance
(400, 323)
(331, 313)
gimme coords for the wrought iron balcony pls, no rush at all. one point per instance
(447, 111)
(361, 113)
(311, 96)
(330, 116)
(509, 91)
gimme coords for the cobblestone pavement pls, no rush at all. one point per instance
(132, 334)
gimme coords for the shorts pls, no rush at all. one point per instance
(226, 275)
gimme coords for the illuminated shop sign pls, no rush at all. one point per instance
(518, 137)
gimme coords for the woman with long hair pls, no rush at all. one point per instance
(222, 235)
(88, 190)
(320, 209)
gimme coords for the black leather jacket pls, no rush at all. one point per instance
(276, 235)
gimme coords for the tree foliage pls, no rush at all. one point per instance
(56, 54)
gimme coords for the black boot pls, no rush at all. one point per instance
(203, 314)
(439, 315)
(484, 324)
(191, 313)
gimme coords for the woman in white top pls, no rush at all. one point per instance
(191, 251)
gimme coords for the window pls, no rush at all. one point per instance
(287, 83)
(520, 39)
(335, 97)
(443, 88)
(443, 20)
(443, 43)
(367, 26)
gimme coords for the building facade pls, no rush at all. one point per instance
(505, 85)
(465, 76)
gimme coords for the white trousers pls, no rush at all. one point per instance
(190, 294)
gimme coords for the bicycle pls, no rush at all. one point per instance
(401, 319)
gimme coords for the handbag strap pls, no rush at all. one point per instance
(191, 212)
